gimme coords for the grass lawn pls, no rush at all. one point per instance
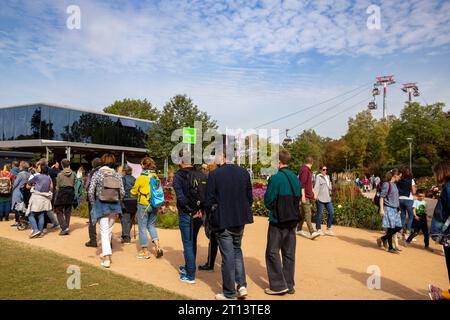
(35, 273)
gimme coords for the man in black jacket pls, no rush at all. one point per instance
(189, 220)
(229, 199)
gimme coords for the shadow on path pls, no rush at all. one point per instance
(387, 285)
(360, 242)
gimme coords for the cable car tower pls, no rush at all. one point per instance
(384, 81)
(412, 89)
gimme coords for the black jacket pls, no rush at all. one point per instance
(180, 185)
(229, 197)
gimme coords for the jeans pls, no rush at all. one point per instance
(330, 210)
(146, 221)
(106, 226)
(233, 270)
(52, 218)
(280, 270)
(406, 206)
(39, 224)
(5, 209)
(63, 213)
(305, 215)
(189, 229)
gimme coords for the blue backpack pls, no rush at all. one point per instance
(156, 191)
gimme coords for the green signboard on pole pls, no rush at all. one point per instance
(189, 135)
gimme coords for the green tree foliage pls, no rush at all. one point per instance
(366, 142)
(141, 109)
(179, 112)
(428, 126)
(336, 151)
(357, 137)
(308, 143)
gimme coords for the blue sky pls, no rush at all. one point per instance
(244, 62)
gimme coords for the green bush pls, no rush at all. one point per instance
(82, 211)
(167, 220)
(352, 209)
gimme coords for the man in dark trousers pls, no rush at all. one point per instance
(229, 199)
(189, 219)
(307, 198)
(283, 194)
(96, 164)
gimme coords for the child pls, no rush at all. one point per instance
(420, 219)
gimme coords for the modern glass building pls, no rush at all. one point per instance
(48, 128)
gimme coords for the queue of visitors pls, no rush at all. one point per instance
(218, 197)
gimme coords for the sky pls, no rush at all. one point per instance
(245, 62)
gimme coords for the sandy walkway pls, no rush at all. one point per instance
(327, 268)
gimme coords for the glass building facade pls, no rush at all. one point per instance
(47, 122)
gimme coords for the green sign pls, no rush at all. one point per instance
(190, 135)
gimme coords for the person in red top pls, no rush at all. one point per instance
(308, 196)
(6, 183)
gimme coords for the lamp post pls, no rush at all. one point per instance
(410, 153)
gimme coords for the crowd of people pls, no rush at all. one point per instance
(218, 197)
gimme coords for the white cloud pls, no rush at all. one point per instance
(178, 34)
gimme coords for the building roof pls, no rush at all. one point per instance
(75, 109)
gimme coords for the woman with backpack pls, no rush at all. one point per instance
(440, 228)
(6, 183)
(105, 194)
(389, 203)
(146, 213)
(17, 201)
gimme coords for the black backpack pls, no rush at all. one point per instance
(196, 189)
(376, 198)
(286, 209)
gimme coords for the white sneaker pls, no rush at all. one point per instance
(220, 296)
(242, 292)
(106, 263)
(329, 232)
(301, 233)
(314, 235)
(35, 234)
(320, 232)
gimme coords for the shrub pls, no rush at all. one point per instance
(167, 220)
(352, 209)
(82, 211)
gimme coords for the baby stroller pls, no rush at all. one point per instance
(23, 223)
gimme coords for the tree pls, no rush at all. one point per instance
(357, 137)
(141, 109)
(336, 151)
(179, 112)
(308, 143)
(428, 126)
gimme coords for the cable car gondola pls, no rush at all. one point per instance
(372, 105)
(375, 91)
(288, 140)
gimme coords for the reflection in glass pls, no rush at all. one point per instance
(54, 123)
